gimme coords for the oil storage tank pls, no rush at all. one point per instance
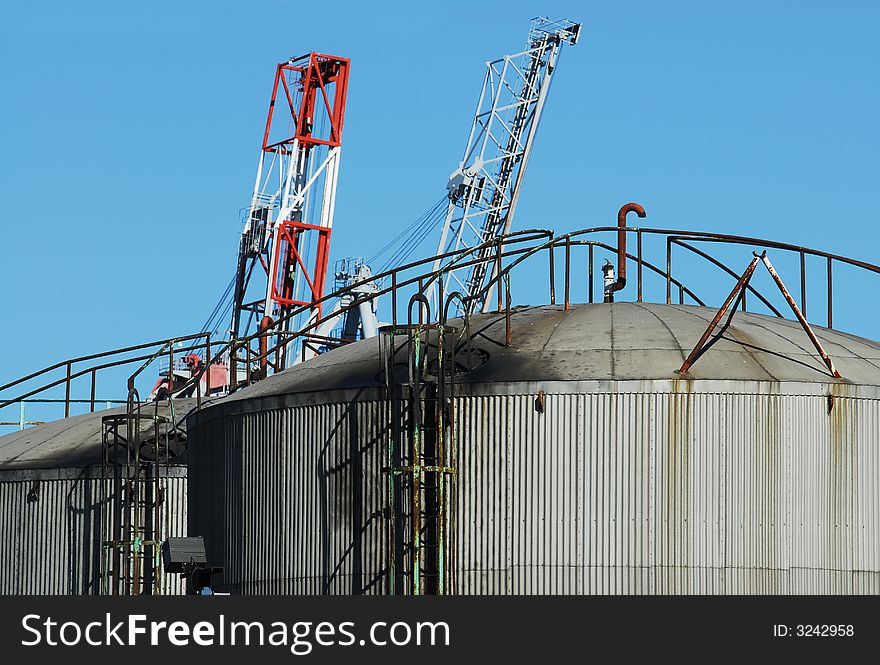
(575, 459)
(66, 508)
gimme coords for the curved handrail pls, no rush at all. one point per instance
(92, 368)
(459, 259)
(729, 271)
(93, 356)
(513, 249)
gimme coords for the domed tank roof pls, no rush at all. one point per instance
(618, 341)
(74, 442)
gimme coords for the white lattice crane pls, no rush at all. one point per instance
(484, 189)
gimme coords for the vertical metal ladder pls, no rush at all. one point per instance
(419, 376)
(135, 448)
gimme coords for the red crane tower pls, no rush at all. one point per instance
(285, 243)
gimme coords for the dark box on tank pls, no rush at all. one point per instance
(182, 555)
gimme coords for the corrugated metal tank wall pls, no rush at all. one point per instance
(290, 501)
(664, 488)
(52, 545)
(670, 493)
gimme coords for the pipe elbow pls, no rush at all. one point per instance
(628, 208)
(621, 244)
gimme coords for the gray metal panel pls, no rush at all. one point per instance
(290, 501)
(53, 545)
(677, 491)
(647, 494)
(214, 495)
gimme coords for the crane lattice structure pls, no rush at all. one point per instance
(285, 243)
(484, 189)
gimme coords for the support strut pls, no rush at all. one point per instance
(738, 294)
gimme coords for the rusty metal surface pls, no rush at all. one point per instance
(736, 296)
(800, 317)
(50, 531)
(621, 249)
(661, 487)
(585, 463)
(670, 493)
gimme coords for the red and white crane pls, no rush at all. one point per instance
(285, 244)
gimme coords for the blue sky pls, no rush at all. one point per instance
(130, 133)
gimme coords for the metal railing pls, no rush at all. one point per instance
(501, 257)
(23, 422)
(509, 252)
(64, 374)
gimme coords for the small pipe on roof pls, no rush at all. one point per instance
(265, 324)
(621, 248)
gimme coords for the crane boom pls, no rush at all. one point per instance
(484, 189)
(285, 243)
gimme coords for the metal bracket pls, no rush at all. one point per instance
(800, 317)
(738, 293)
